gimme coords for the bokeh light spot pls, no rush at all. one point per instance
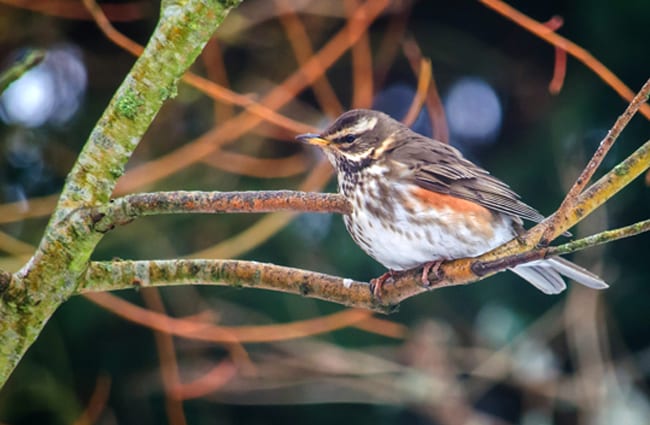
(474, 112)
(50, 93)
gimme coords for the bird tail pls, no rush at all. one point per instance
(546, 275)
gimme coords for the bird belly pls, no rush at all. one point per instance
(401, 233)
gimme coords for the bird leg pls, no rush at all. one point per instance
(432, 266)
(377, 284)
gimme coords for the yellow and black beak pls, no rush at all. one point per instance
(312, 139)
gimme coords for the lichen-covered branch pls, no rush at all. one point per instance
(126, 274)
(113, 275)
(51, 276)
(571, 198)
(61, 267)
(126, 209)
(524, 249)
(601, 238)
(593, 197)
(121, 274)
(482, 268)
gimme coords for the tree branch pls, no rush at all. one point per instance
(482, 268)
(587, 173)
(51, 276)
(458, 272)
(124, 274)
(124, 210)
(20, 67)
(113, 275)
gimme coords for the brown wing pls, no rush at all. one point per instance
(441, 168)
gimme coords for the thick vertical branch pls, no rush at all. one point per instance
(51, 276)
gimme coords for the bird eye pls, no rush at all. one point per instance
(349, 138)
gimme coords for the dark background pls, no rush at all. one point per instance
(537, 146)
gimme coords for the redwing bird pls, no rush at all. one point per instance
(418, 201)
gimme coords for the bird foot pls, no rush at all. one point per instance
(377, 284)
(432, 266)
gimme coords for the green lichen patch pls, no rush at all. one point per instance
(129, 104)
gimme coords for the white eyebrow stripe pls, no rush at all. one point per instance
(386, 144)
(362, 125)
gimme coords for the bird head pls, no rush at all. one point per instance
(355, 139)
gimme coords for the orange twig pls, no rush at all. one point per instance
(383, 327)
(245, 165)
(279, 96)
(168, 363)
(97, 402)
(362, 85)
(424, 80)
(227, 334)
(215, 68)
(390, 44)
(71, 10)
(14, 246)
(571, 48)
(209, 382)
(32, 208)
(180, 327)
(213, 90)
(302, 50)
(434, 103)
(261, 112)
(262, 230)
(559, 68)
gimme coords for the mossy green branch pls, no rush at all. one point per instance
(18, 69)
(113, 275)
(183, 30)
(125, 274)
(31, 296)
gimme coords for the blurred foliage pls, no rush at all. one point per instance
(539, 147)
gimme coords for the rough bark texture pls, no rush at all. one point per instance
(32, 295)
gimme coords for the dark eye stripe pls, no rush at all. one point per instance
(348, 138)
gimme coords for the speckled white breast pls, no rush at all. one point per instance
(413, 233)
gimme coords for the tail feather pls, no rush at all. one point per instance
(546, 275)
(541, 277)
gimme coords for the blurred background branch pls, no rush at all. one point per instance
(33, 293)
(490, 353)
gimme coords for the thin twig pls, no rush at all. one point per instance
(559, 67)
(20, 67)
(169, 369)
(277, 97)
(245, 165)
(268, 226)
(97, 402)
(434, 103)
(482, 268)
(302, 50)
(184, 327)
(601, 238)
(210, 88)
(362, 84)
(570, 200)
(231, 335)
(541, 31)
(424, 81)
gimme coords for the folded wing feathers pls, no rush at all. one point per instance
(442, 168)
